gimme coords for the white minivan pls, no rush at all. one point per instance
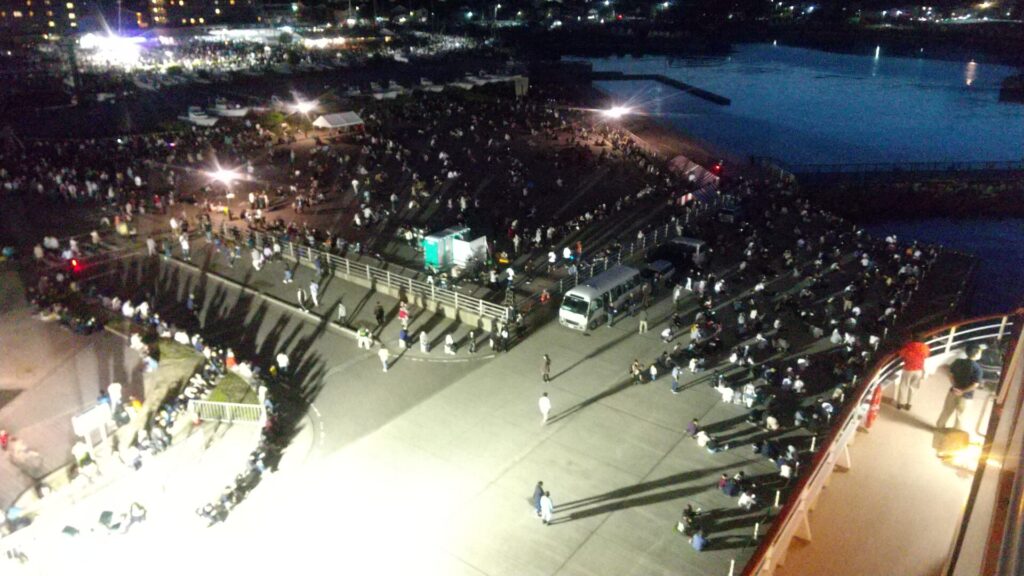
(585, 307)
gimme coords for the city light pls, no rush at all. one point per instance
(224, 176)
(616, 112)
(304, 106)
(113, 49)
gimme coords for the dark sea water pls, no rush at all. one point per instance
(808, 106)
(998, 245)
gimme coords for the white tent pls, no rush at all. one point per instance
(339, 120)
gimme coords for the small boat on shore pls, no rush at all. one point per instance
(197, 116)
(140, 83)
(428, 86)
(225, 109)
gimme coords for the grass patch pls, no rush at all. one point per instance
(232, 388)
(171, 351)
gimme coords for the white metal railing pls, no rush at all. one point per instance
(650, 239)
(346, 267)
(792, 517)
(227, 411)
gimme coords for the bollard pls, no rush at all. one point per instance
(757, 526)
(732, 566)
(778, 496)
(814, 442)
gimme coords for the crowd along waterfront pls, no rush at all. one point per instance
(806, 106)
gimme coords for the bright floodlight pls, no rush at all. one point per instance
(304, 106)
(224, 176)
(615, 112)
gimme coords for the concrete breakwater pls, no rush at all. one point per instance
(672, 82)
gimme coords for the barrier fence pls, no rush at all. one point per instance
(792, 519)
(227, 412)
(379, 277)
(893, 167)
(650, 239)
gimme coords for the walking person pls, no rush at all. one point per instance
(342, 314)
(547, 508)
(545, 407)
(301, 297)
(538, 493)
(314, 293)
(150, 246)
(967, 377)
(643, 321)
(424, 342)
(378, 315)
(676, 372)
(545, 369)
(384, 354)
(914, 354)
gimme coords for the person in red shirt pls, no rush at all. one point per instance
(913, 354)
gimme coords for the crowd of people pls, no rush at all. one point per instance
(59, 296)
(788, 276)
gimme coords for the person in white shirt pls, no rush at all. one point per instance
(545, 407)
(547, 508)
(384, 356)
(282, 361)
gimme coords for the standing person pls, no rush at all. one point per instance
(150, 246)
(314, 293)
(653, 369)
(643, 321)
(403, 315)
(472, 342)
(913, 353)
(449, 344)
(967, 377)
(342, 313)
(545, 369)
(282, 362)
(547, 508)
(538, 493)
(424, 342)
(676, 373)
(636, 370)
(545, 407)
(378, 314)
(384, 354)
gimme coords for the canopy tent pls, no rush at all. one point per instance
(339, 121)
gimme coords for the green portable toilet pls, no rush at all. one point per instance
(437, 247)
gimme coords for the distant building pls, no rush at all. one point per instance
(177, 13)
(38, 17)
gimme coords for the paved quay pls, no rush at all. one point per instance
(447, 454)
(49, 375)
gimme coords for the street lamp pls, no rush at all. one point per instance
(304, 106)
(615, 112)
(224, 176)
(496, 7)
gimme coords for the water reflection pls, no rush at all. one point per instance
(808, 106)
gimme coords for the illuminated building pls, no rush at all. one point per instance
(38, 17)
(177, 13)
